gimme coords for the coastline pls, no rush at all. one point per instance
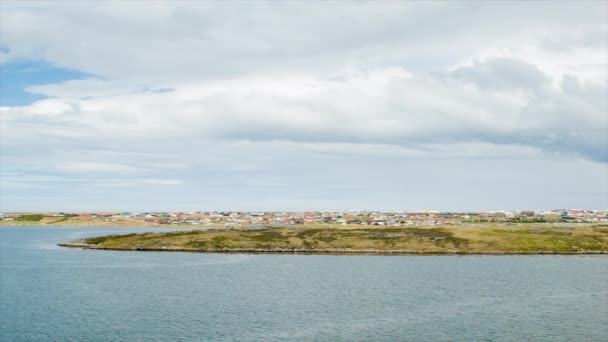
(490, 239)
(102, 224)
(333, 251)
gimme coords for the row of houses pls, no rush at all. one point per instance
(418, 218)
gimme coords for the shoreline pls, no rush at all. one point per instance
(117, 225)
(331, 251)
(490, 239)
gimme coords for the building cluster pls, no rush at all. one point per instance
(397, 219)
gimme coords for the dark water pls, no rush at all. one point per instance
(49, 293)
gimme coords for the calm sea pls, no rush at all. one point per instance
(49, 293)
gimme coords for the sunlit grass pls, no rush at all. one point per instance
(491, 238)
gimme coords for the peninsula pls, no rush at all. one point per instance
(488, 238)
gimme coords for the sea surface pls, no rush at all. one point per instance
(50, 293)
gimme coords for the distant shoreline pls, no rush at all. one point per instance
(107, 225)
(218, 226)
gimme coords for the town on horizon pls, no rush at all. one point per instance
(348, 217)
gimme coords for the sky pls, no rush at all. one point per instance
(371, 105)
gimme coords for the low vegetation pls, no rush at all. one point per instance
(489, 238)
(61, 219)
(31, 218)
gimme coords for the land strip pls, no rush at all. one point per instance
(478, 239)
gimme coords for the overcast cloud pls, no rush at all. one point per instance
(303, 106)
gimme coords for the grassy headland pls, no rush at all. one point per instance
(477, 239)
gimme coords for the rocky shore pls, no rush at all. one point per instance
(332, 251)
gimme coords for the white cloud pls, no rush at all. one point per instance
(94, 167)
(186, 92)
(167, 42)
(162, 181)
(495, 102)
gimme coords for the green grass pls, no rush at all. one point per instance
(101, 239)
(491, 238)
(61, 219)
(32, 217)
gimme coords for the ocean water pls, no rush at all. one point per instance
(49, 293)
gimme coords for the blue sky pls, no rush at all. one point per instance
(18, 76)
(259, 106)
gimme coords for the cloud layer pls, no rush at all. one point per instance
(239, 96)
